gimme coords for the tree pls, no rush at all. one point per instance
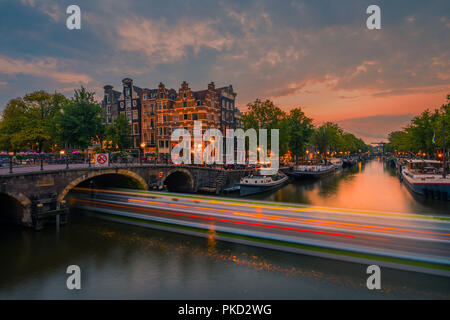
(119, 132)
(328, 137)
(418, 135)
(300, 130)
(80, 121)
(28, 122)
(265, 115)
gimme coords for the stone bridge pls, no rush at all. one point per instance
(28, 194)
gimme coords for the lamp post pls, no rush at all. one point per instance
(11, 163)
(444, 163)
(62, 153)
(42, 161)
(142, 147)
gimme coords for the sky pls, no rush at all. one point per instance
(318, 55)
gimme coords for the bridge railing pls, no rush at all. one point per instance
(13, 165)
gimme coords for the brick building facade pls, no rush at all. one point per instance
(154, 113)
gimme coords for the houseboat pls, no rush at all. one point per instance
(426, 177)
(311, 170)
(261, 182)
(337, 162)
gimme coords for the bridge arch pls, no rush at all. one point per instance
(16, 208)
(179, 180)
(121, 172)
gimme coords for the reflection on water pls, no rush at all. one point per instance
(123, 261)
(370, 186)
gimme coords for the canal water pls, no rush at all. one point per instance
(120, 261)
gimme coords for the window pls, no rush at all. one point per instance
(161, 95)
(175, 118)
(164, 105)
(108, 109)
(185, 104)
(128, 104)
(199, 103)
(145, 97)
(164, 118)
(121, 104)
(167, 143)
(160, 106)
(135, 115)
(185, 116)
(134, 103)
(151, 123)
(161, 144)
(185, 95)
(194, 116)
(128, 115)
(135, 128)
(127, 92)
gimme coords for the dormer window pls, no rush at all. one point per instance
(161, 95)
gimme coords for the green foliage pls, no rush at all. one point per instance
(297, 130)
(300, 130)
(418, 135)
(119, 132)
(331, 138)
(265, 115)
(28, 122)
(80, 121)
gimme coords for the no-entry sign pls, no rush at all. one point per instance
(101, 159)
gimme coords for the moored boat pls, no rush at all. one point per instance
(262, 182)
(425, 177)
(338, 163)
(311, 170)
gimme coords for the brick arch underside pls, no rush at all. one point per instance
(130, 174)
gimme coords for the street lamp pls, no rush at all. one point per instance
(11, 154)
(62, 153)
(142, 146)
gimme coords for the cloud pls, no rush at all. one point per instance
(377, 127)
(164, 43)
(42, 68)
(52, 9)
